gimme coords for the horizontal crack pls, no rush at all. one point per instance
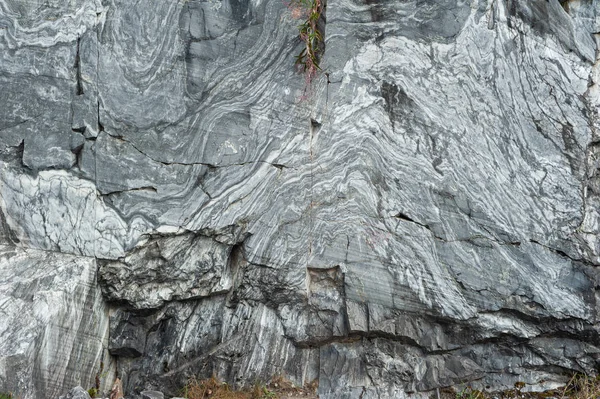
(144, 188)
(471, 239)
(406, 218)
(209, 165)
(559, 252)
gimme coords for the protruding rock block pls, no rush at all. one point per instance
(54, 324)
(77, 393)
(167, 268)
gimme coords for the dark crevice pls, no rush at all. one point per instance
(144, 188)
(78, 68)
(208, 165)
(472, 241)
(100, 126)
(558, 252)
(347, 248)
(77, 152)
(200, 185)
(20, 151)
(406, 218)
(236, 263)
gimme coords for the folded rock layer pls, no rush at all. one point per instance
(177, 200)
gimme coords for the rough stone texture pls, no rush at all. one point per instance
(53, 323)
(117, 390)
(425, 215)
(152, 395)
(165, 269)
(77, 393)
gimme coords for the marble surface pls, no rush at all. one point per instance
(425, 214)
(54, 323)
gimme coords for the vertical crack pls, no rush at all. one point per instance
(77, 151)
(20, 151)
(100, 125)
(78, 68)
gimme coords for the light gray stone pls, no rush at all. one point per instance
(152, 395)
(54, 324)
(77, 393)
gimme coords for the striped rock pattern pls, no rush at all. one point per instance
(424, 214)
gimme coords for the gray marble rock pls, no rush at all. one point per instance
(167, 268)
(243, 343)
(77, 393)
(152, 395)
(53, 324)
(425, 214)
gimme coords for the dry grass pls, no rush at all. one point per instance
(212, 388)
(579, 387)
(582, 387)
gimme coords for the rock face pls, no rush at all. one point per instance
(54, 323)
(175, 202)
(77, 393)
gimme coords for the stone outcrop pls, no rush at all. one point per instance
(53, 323)
(176, 202)
(77, 393)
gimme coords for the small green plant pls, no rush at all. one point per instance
(310, 34)
(95, 390)
(6, 395)
(469, 393)
(262, 392)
